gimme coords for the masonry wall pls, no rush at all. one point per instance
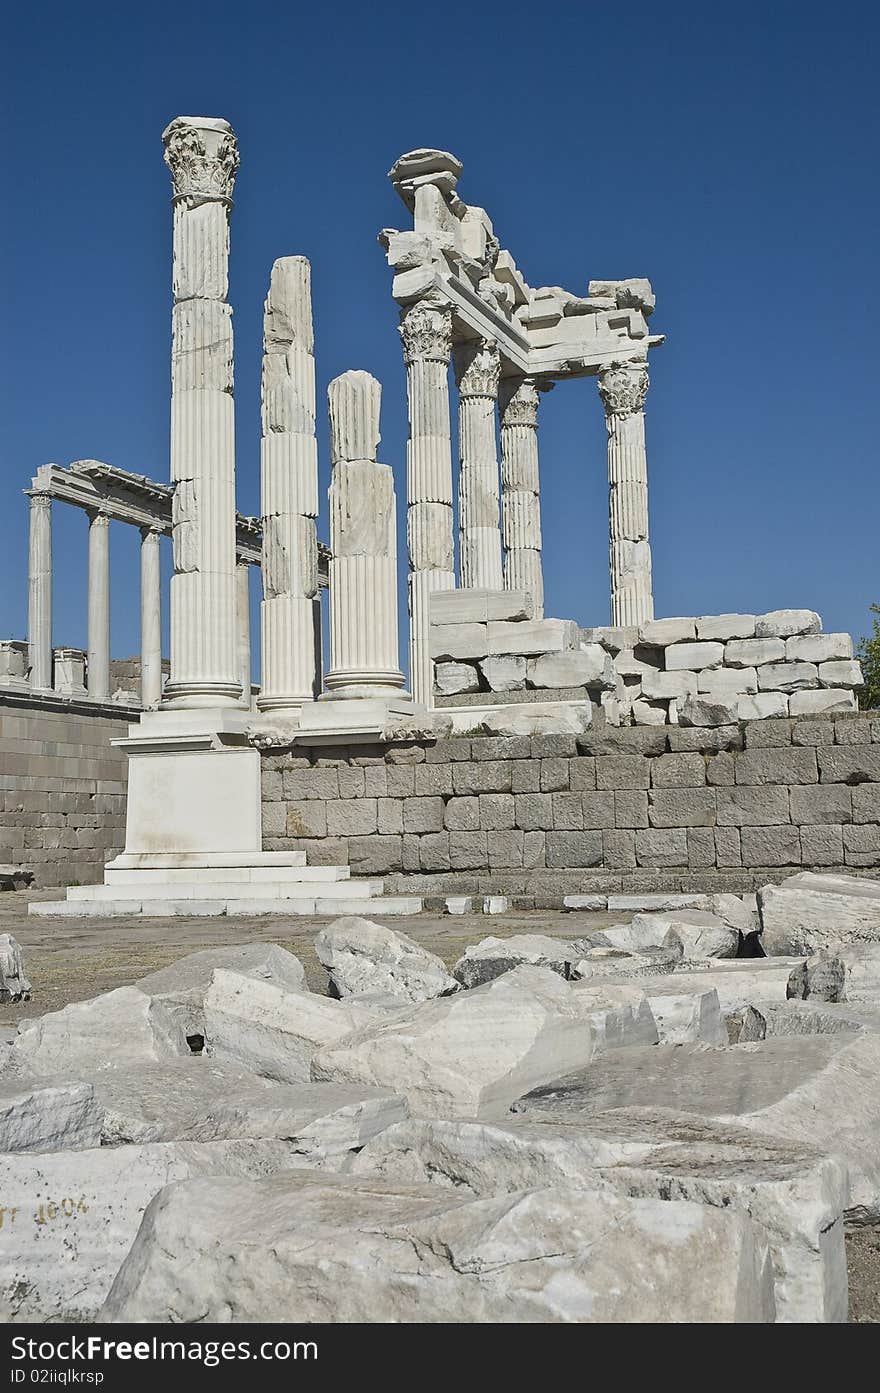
(667, 807)
(62, 789)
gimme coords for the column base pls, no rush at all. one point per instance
(346, 683)
(283, 703)
(201, 695)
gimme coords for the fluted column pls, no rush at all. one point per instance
(426, 331)
(40, 592)
(520, 489)
(363, 544)
(289, 490)
(478, 369)
(151, 618)
(623, 388)
(202, 154)
(243, 626)
(98, 676)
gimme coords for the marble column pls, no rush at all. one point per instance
(363, 543)
(243, 626)
(623, 388)
(426, 331)
(478, 369)
(520, 490)
(202, 154)
(289, 463)
(151, 618)
(98, 674)
(40, 592)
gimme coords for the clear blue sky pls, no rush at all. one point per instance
(728, 153)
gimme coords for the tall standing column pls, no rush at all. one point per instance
(623, 388)
(151, 618)
(40, 592)
(478, 369)
(98, 677)
(243, 626)
(426, 331)
(363, 544)
(289, 490)
(520, 489)
(202, 154)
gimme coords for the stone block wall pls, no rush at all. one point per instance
(62, 788)
(633, 808)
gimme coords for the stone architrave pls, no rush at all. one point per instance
(426, 332)
(363, 545)
(202, 155)
(478, 371)
(623, 388)
(289, 490)
(520, 488)
(40, 592)
(151, 618)
(98, 673)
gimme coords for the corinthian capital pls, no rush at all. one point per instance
(518, 399)
(426, 331)
(478, 368)
(202, 154)
(623, 388)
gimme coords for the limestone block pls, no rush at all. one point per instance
(662, 847)
(665, 631)
(646, 713)
(452, 642)
(722, 627)
(88, 1206)
(361, 956)
(818, 648)
(763, 706)
(795, 1194)
(829, 699)
(662, 686)
(851, 764)
(271, 1031)
(14, 984)
(505, 673)
(479, 606)
(810, 1090)
(844, 673)
(122, 1024)
(464, 1054)
(725, 682)
(587, 666)
(531, 637)
(705, 711)
(452, 678)
(693, 656)
(484, 961)
(752, 652)
(822, 846)
(46, 1117)
(399, 1253)
(785, 623)
(787, 677)
(777, 765)
(811, 911)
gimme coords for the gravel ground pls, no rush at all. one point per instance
(72, 959)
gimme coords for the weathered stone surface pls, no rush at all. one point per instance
(784, 623)
(465, 1054)
(504, 673)
(810, 703)
(42, 1116)
(391, 1252)
(701, 934)
(751, 652)
(452, 678)
(479, 606)
(787, 677)
(661, 632)
(810, 911)
(531, 638)
(122, 1024)
(484, 961)
(816, 1090)
(588, 666)
(762, 706)
(844, 673)
(818, 648)
(705, 711)
(818, 1018)
(786, 765)
(271, 1031)
(694, 656)
(725, 682)
(685, 1017)
(738, 982)
(180, 988)
(13, 980)
(75, 1216)
(797, 1195)
(619, 1013)
(361, 956)
(721, 627)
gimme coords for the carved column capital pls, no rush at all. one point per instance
(40, 500)
(519, 398)
(98, 516)
(478, 368)
(426, 332)
(623, 388)
(202, 154)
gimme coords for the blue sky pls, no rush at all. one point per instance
(726, 152)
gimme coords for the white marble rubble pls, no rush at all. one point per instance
(14, 984)
(360, 956)
(484, 961)
(42, 1115)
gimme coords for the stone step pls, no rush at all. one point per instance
(209, 876)
(198, 860)
(227, 890)
(162, 909)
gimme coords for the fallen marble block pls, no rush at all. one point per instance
(599, 963)
(741, 981)
(124, 1024)
(38, 1116)
(71, 1217)
(271, 1031)
(797, 1195)
(817, 1018)
(364, 957)
(736, 911)
(14, 985)
(620, 1015)
(466, 1054)
(201, 1099)
(819, 1090)
(180, 988)
(702, 935)
(809, 911)
(484, 961)
(861, 971)
(686, 1017)
(237, 1251)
